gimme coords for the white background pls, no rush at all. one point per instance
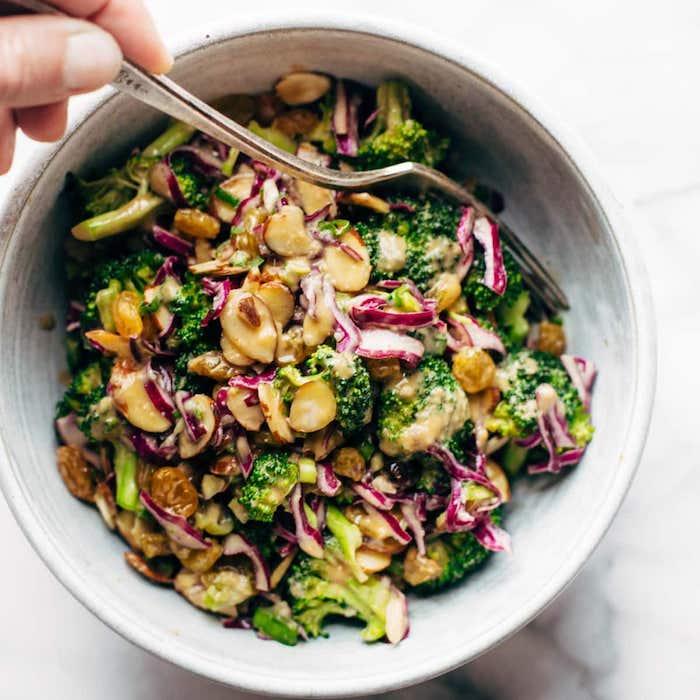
(625, 74)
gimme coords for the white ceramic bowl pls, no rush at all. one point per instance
(554, 199)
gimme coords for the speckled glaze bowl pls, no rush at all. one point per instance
(555, 200)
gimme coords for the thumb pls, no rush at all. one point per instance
(46, 59)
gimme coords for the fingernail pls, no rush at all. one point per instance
(92, 59)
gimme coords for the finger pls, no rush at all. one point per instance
(7, 139)
(130, 24)
(45, 122)
(46, 59)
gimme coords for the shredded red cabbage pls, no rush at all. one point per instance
(239, 544)
(176, 526)
(495, 277)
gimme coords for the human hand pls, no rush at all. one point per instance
(46, 59)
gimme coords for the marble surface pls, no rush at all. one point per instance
(625, 75)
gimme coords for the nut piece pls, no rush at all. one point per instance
(347, 461)
(386, 370)
(140, 565)
(279, 300)
(248, 324)
(132, 401)
(302, 88)
(211, 364)
(371, 561)
(551, 338)
(171, 489)
(197, 560)
(125, 312)
(296, 122)
(285, 232)
(499, 479)
(104, 500)
(313, 198)
(347, 273)
(313, 407)
(226, 465)
(196, 223)
(239, 187)
(233, 355)
(446, 290)
(75, 472)
(316, 330)
(290, 347)
(203, 406)
(140, 536)
(322, 443)
(250, 417)
(368, 201)
(474, 369)
(273, 410)
(418, 569)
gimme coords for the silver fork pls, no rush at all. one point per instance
(167, 96)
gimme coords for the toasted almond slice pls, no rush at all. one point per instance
(250, 417)
(273, 410)
(499, 479)
(233, 355)
(110, 342)
(279, 300)
(313, 198)
(347, 273)
(204, 407)
(132, 401)
(285, 233)
(317, 329)
(301, 88)
(239, 186)
(368, 201)
(313, 407)
(248, 324)
(371, 561)
(216, 268)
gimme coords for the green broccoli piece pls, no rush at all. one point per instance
(437, 391)
(322, 133)
(457, 554)
(273, 477)
(125, 471)
(325, 587)
(276, 622)
(516, 414)
(190, 306)
(193, 186)
(274, 136)
(396, 136)
(513, 322)
(354, 395)
(85, 390)
(134, 272)
(484, 299)
(347, 537)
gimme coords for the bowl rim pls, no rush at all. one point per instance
(619, 221)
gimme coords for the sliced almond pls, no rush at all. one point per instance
(313, 408)
(290, 346)
(203, 406)
(273, 409)
(158, 180)
(285, 232)
(233, 355)
(279, 300)
(368, 201)
(313, 198)
(132, 401)
(216, 268)
(301, 88)
(248, 324)
(317, 329)
(499, 479)
(250, 417)
(239, 186)
(371, 561)
(347, 273)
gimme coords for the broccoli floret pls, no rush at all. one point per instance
(429, 232)
(325, 587)
(132, 272)
(353, 394)
(482, 298)
(457, 554)
(85, 390)
(580, 427)
(273, 477)
(434, 390)
(396, 137)
(322, 133)
(193, 186)
(516, 413)
(347, 538)
(513, 322)
(276, 622)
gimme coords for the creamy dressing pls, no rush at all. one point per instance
(507, 374)
(392, 252)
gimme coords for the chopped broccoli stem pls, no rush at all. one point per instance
(111, 223)
(273, 625)
(175, 135)
(274, 136)
(125, 465)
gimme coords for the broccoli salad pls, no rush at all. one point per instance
(297, 405)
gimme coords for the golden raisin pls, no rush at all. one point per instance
(551, 338)
(226, 465)
(197, 223)
(474, 369)
(347, 461)
(125, 311)
(75, 472)
(197, 560)
(384, 370)
(172, 490)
